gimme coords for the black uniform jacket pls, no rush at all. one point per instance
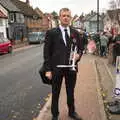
(55, 50)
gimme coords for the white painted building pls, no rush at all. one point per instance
(3, 22)
(90, 23)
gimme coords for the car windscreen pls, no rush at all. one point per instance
(33, 36)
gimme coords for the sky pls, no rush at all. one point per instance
(77, 6)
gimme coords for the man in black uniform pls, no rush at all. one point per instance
(57, 49)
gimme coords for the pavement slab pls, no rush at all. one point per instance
(107, 80)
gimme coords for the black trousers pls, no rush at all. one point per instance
(70, 81)
(103, 51)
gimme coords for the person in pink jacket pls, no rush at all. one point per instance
(91, 45)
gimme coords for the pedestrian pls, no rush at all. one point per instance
(103, 42)
(85, 41)
(110, 48)
(91, 46)
(116, 47)
(57, 49)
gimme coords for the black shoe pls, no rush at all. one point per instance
(75, 116)
(55, 118)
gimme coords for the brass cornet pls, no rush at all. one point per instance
(72, 57)
(72, 61)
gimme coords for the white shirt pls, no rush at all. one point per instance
(63, 32)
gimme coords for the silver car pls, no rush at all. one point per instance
(36, 37)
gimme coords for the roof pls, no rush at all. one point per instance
(2, 15)
(39, 12)
(89, 16)
(7, 4)
(25, 8)
(92, 17)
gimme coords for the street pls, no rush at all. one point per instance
(22, 94)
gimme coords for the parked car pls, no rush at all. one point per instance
(5, 46)
(36, 37)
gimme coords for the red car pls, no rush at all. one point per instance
(5, 46)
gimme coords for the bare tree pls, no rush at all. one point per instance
(112, 4)
(118, 3)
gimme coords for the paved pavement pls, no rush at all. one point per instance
(88, 99)
(20, 45)
(23, 46)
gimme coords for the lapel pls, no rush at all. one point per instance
(71, 36)
(71, 32)
(60, 37)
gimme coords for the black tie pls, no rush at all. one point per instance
(66, 37)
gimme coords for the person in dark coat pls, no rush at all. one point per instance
(116, 48)
(57, 52)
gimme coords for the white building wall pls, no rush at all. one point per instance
(3, 27)
(86, 25)
(3, 22)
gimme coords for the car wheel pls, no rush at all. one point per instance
(10, 49)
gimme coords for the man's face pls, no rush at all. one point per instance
(65, 17)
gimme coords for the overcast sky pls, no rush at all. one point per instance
(76, 6)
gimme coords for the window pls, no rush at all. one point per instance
(1, 41)
(119, 16)
(1, 35)
(11, 17)
(20, 18)
(1, 22)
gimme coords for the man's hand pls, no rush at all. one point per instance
(48, 75)
(77, 56)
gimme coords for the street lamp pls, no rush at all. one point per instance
(97, 15)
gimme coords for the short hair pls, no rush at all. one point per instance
(63, 9)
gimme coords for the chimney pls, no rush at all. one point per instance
(28, 2)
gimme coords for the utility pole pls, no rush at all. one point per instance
(98, 29)
(97, 15)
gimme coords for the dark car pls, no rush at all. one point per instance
(36, 37)
(5, 46)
